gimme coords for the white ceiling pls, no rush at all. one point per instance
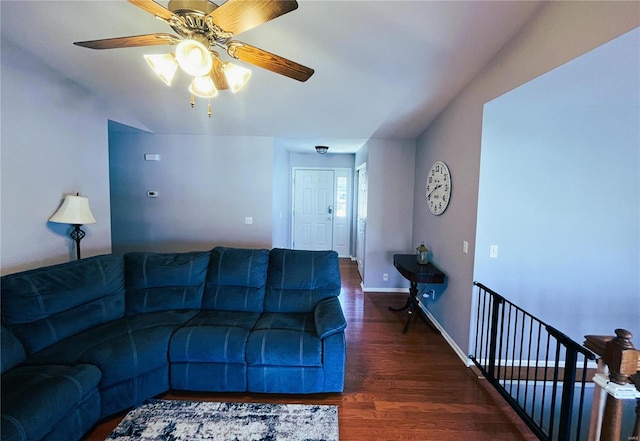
(383, 69)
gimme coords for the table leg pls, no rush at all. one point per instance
(412, 307)
(402, 308)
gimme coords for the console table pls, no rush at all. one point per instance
(408, 266)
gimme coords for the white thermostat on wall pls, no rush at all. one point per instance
(151, 156)
(152, 194)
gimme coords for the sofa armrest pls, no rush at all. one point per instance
(328, 317)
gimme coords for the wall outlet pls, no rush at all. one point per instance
(385, 277)
(151, 157)
(493, 251)
(431, 294)
(248, 220)
(465, 246)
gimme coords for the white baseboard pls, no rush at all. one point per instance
(459, 352)
(369, 289)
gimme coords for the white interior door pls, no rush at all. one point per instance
(361, 218)
(313, 209)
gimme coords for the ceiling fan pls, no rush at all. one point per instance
(202, 25)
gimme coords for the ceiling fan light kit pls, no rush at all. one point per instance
(201, 25)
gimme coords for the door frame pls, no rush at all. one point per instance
(349, 172)
(360, 240)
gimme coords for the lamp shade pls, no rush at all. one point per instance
(237, 76)
(164, 65)
(203, 87)
(74, 210)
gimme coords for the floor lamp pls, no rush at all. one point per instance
(75, 211)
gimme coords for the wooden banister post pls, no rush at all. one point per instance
(636, 427)
(622, 359)
(596, 344)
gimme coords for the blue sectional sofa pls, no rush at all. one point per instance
(86, 339)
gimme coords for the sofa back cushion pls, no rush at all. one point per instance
(298, 280)
(45, 305)
(164, 281)
(236, 279)
(12, 352)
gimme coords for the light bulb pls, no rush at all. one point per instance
(194, 57)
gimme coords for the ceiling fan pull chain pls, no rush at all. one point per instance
(193, 101)
(209, 109)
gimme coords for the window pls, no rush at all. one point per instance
(341, 196)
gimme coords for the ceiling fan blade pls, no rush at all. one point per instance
(133, 41)
(237, 16)
(269, 61)
(217, 74)
(153, 8)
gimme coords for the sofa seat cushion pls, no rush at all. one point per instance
(36, 398)
(239, 319)
(46, 305)
(213, 336)
(284, 347)
(287, 321)
(221, 344)
(122, 349)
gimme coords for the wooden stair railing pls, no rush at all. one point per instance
(623, 363)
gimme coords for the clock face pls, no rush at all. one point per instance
(438, 188)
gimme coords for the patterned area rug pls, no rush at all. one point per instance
(172, 420)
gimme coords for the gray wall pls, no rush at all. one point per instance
(389, 209)
(560, 193)
(281, 235)
(560, 32)
(206, 187)
(53, 142)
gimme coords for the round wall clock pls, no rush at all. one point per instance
(438, 188)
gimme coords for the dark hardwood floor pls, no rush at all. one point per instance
(397, 387)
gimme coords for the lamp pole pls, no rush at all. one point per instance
(77, 234)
